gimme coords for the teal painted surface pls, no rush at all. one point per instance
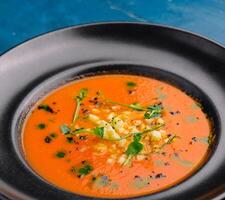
(23, 19)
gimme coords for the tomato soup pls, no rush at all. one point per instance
(116, 136)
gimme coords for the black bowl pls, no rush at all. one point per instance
(192, 63)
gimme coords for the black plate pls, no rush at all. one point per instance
(191, 62)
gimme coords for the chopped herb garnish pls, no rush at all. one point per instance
(99, 131)
(60, 154)
(153, 111)
(41, 126)
(134, 148)
(85, 170)
(70, 140)
(82, 94)
(80, 130)
(131, 84)
(53, 135)
(65, 129)
(45, 107)
(137, 137)
(136, 106)
(170, 140)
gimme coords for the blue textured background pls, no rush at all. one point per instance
(24, 19)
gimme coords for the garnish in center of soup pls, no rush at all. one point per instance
(116, 136)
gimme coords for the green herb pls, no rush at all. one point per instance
(80, 130)
(41, 126)
(99, 131)
(137, 137)
(131, 84)
(136, 106)
(134, 148)
(70, 140)
(53, 135)
(85, 170)
(82, 171)
(169, 141)
(82, 94)
(153, 111)
(65, 129)
(60, 154)
(45, 107)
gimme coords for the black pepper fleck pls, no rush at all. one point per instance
(160, 175)
(48, 139)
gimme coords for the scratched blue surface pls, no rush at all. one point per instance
(24, 19)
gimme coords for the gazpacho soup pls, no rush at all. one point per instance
(116, 136)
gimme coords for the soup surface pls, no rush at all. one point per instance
(116, 136)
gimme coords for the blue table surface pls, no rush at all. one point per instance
(23, 19)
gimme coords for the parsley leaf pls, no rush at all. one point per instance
(85, 170)
(60, 154)
(137, 137)
(134, 148)
(41, 126)
(158, 108)
(82, 94)
(131, 84)
(65, 129)
(45, 107)
(99, 131)
(153, 111)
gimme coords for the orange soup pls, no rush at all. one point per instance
(116, 136)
